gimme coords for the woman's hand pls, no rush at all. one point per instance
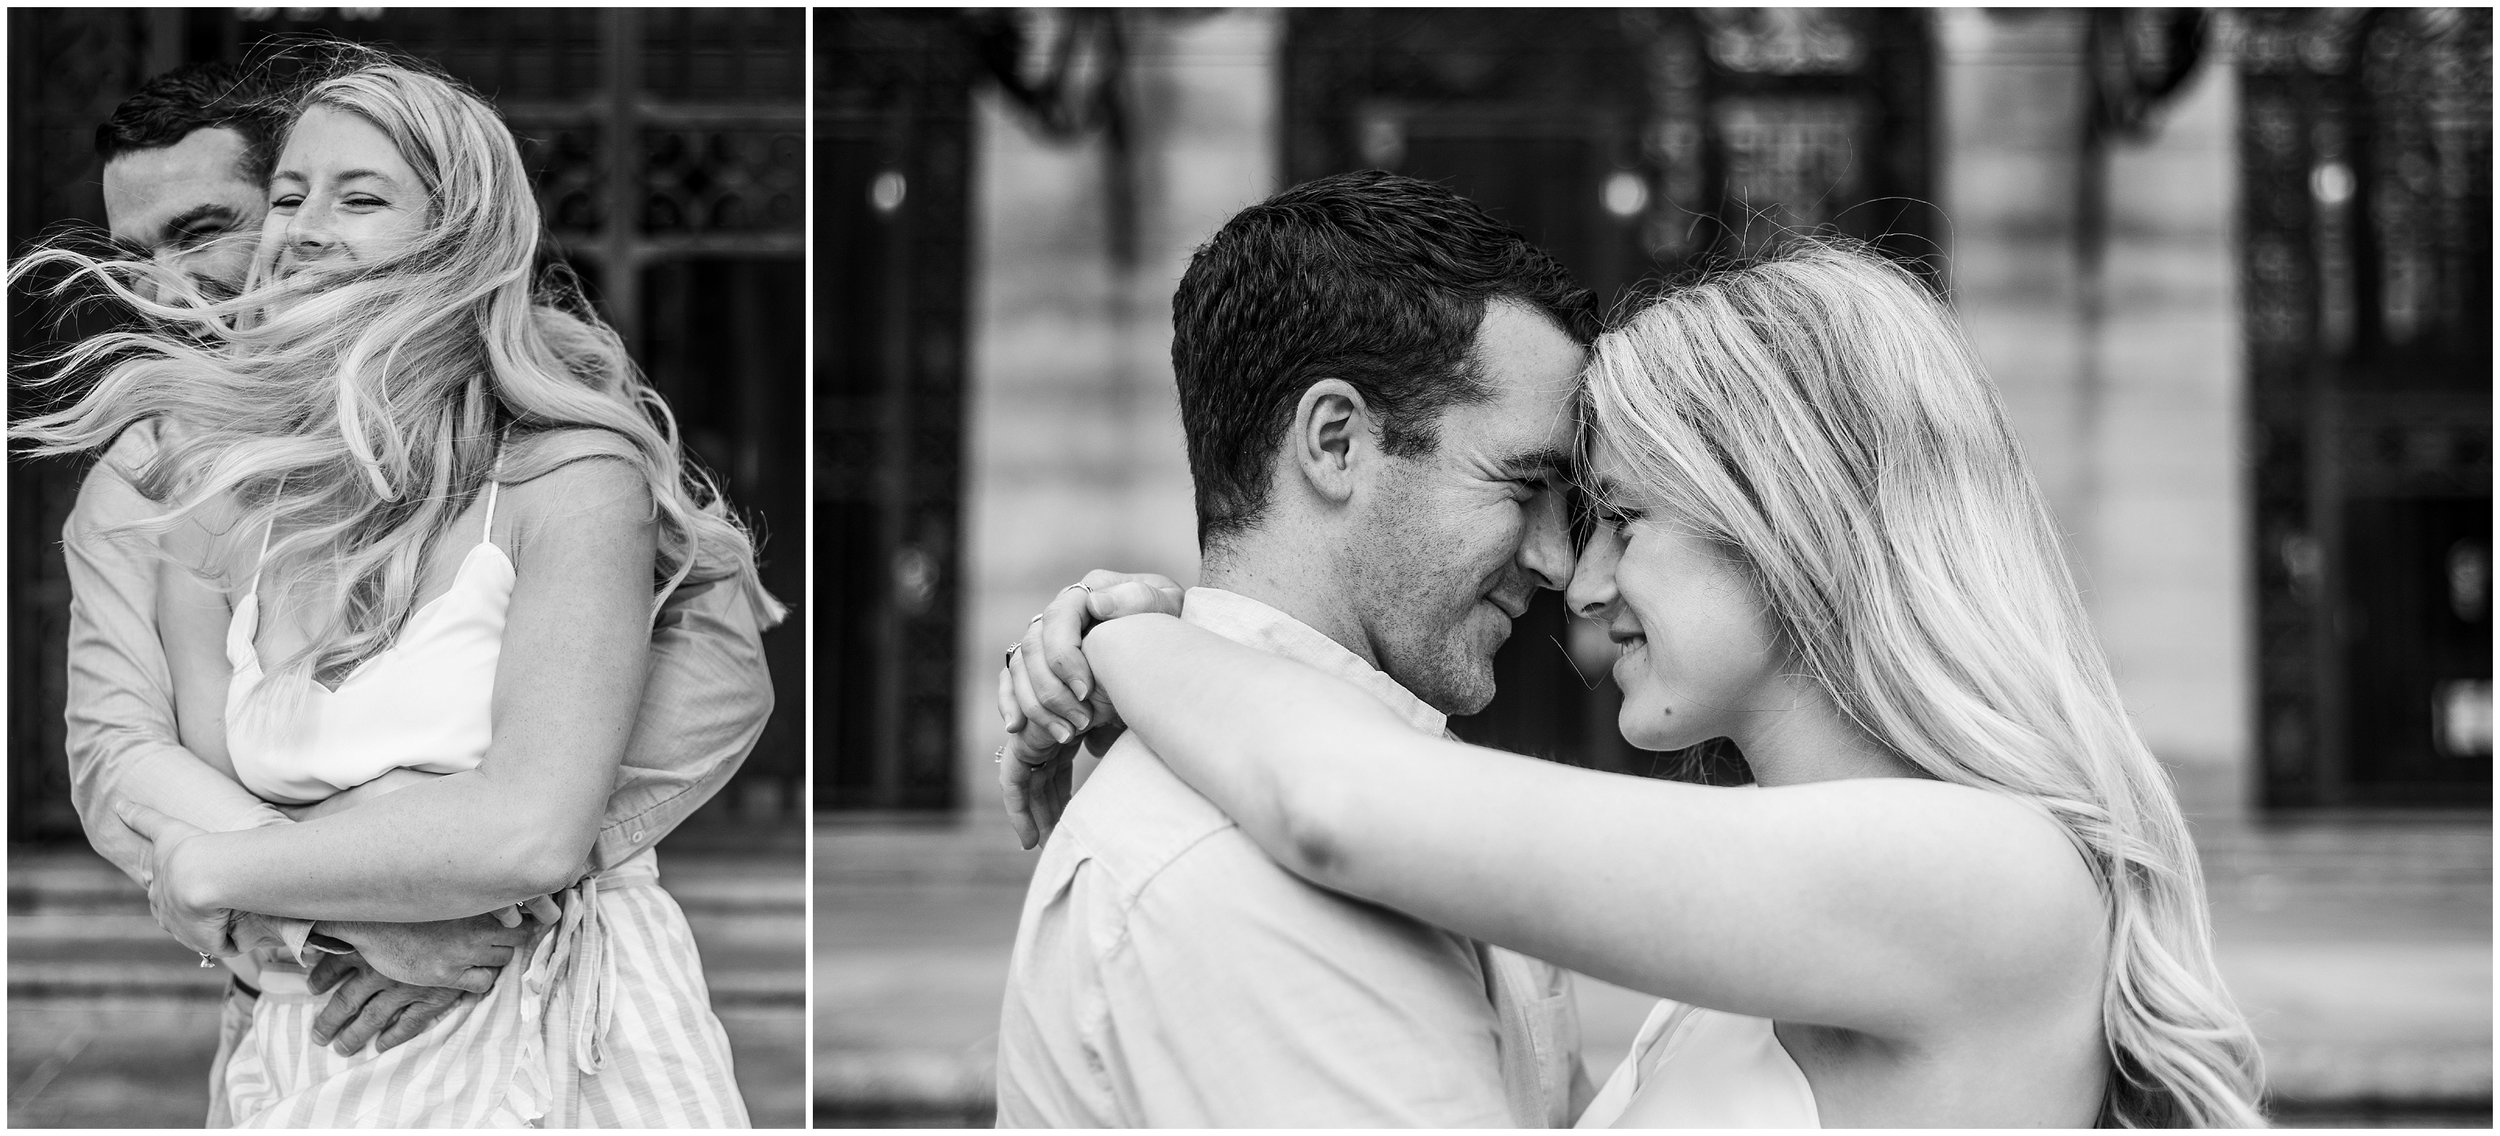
(173, 896)
(1047, 698)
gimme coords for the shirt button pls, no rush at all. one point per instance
(636, 837)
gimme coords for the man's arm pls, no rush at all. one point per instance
(704, 704)
(121, 734)
(1240, 996)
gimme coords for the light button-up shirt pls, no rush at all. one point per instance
(1168, 974)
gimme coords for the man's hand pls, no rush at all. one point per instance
(368, 1007)
(462, 954)
(1047, 698)
(203, 929)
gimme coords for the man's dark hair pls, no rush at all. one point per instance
(193, 97)
(1368, 277)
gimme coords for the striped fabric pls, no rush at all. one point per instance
(607, 1025)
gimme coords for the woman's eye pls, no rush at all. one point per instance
(364, 203)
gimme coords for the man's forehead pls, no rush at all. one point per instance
(1531, 371)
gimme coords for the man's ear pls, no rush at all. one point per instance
(1331, 442)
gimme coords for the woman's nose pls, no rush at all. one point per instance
(1592, 589)
(308, 230)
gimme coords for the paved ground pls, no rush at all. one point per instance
(2360, 947)
(112, 1025)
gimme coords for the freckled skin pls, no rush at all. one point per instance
(1462, 544)
(341, 195)
(1700, 658)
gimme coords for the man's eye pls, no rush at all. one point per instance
(286, 201)
(197, 236)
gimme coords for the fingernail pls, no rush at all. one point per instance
(1060, 732)
(1082, 690)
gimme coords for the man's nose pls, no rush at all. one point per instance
(1546, 548)
(1592, 589)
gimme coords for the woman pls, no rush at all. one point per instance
(443, 510)
(1963, 893)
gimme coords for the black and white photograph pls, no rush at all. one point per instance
(407, 556)
(1653, 567)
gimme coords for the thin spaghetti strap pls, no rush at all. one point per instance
(259, 561)
(487, 533)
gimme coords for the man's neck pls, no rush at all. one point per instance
(1290, 582)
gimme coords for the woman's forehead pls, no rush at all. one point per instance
(336, 136)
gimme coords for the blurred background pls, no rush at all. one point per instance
(2231, 270)
(668, 147)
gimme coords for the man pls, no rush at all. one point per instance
(1378, 383)
(185, 160)
(186, 165)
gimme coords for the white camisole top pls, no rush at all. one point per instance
(426, 702)
(1697, 1068)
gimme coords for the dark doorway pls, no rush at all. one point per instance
(2365, 143)
(894, 145)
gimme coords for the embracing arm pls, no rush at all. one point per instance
(122, 740)
(1865, 904)
(521, 824)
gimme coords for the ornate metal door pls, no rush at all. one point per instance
(667, 149)
(2365, 146)
(894, 138)
(1630, 144)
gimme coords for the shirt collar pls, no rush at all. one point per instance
(1253, 624)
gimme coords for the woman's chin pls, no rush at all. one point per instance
(1647, 730)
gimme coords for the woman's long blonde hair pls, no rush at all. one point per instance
(1820, 414)
(360, 411)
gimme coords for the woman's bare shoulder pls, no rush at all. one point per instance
(534, 455)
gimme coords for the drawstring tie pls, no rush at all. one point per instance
(579, 946)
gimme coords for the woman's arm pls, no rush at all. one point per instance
(521, 824)
(1877, 905)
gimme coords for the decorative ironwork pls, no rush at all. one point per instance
(722, 179)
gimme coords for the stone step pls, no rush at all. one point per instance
(119, 1063)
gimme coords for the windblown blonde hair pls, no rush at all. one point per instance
(1821, 415)
(361, 410)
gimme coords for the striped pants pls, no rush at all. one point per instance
(606, 1025)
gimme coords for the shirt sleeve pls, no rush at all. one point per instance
(121, 739)
(704, 705)
(1240, 996)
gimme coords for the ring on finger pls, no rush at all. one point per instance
(1085, 588)
(1000, 756)
(1011, 653)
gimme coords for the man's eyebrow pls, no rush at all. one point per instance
(1537, 464)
